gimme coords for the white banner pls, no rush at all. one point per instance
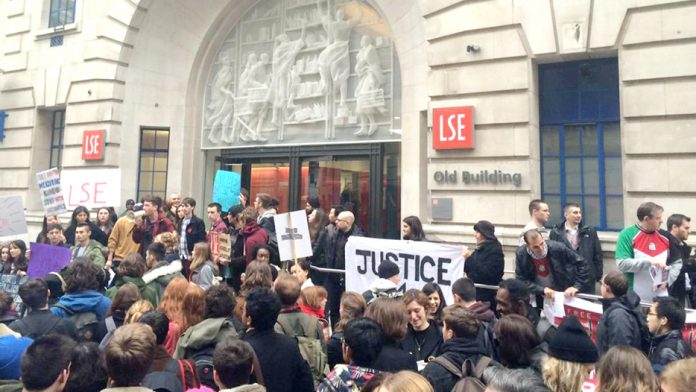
(12, 220)
(292, 232)
(51, 195)
(92, 188)
(419, 263)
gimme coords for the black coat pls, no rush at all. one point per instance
(621, 323)
(42, 322)
(336, 255)
(485, 266)
(668, 347)
(456, 350)
(97, 234)
(568, 269)
(589, 248)
(334, 349)
(423, 345)
(195, 233)
(318, 258)
(678, 288)
(393, 358)
(282, 365)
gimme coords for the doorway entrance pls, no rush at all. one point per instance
(363, 176)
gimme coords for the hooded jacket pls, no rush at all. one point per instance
(621, 323)
(568, 269)
(146, 232)
(253, 235)
(668, 347)
(161, 274)
(207, 332)
(589, 248)
(485, 266)
(382, 288)
(146, 292)
(94, 251)
(86, 301)
(456, 350)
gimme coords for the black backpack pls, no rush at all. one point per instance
(85, 323)
(203, 360)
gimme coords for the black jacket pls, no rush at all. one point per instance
(336, 255)
(393, 358)
(423, 345)
(456, 350)
(195, 233)
(678, 288)
(42, 322)
(485, 266)
(334, 349)
(96, 234)
(589, 248)
(318, 258)
(568, 269)
(621, 324)
(282, 366)
(668, 347)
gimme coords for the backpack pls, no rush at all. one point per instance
(85, 323)
(186, 373)
(110, 329)
(644, 332)
(470, 376)
(203, 360)
(311, 349)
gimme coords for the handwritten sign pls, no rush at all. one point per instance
(225, 245)
(46, 258)
(10, 284)
(226, 188)
(12, 219)
(92, 188)
(50, 191)
(292, 231)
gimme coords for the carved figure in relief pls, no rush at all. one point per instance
(369, 94)
(257, 84)
(284, 54)
(334, 60)
(221, 106)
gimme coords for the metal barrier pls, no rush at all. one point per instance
(589, 297)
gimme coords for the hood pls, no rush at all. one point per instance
(460, 349)
(205, 333)
(250, 228)
(86, 301)
(630, 301)
(166, 269)
(139, 282)
(482, 311)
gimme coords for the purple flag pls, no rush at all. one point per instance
(47, 258)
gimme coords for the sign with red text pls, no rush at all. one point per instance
(93, 145)
(92, 188)
(587, 312)
(453, 128)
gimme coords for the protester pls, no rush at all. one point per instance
(336, 258)
(46, 364)
(54, 235)
(313, 301)
(352, 306)
(8, 311)
(12, 344)
(83, 280)
(137, 310)
(131, 270)
(319, 236)
(412, 229)
(126, 295)
(362, 343)
(257, 274)
(501, 379)
(436, 302)
(42, 237)
(203, 269)
(461, 342)
(312, 204)
(539, 213)
(17, 263)
(301, 270)
(679, 226)
(485, 264)
(513, 298)
(160, 270)
(391, 315)
(192, 307)
(217, 224)
(282, 365)
(423, 339)
(405, 381)
(679, 376)
(171, 305)
(5, 254)
(121, 242)
(253, 233)
(518, 343)
(621, 323)
(583, 240)
(264, 205)
(571, 357)
(87, 247)
(87, 369)
(129, 356)
(104, 220)
(130, 204)
(665, 321)
(81, 215)
(464, 293)
(387, 286)
(237, 263)
(233, 364)
(625, 369)
(39, 321)
(152, 223)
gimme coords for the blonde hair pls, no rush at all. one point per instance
(562, 376)
(406, 381)
(680, 375)
(625, 369)
(137, 310)
(201, 254)
(170, 240)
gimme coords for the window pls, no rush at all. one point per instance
(57, 128)
(154, 158)
(581, 140)
(62, 12)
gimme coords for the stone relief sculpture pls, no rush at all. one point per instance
(221, 106)
(284, 54)
(369, 94)
(257, 81)
(334, 60)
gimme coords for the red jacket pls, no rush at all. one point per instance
(145, 237)
(253, 235)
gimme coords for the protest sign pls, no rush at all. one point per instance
(225, 245)
(689, 330)
(47, 258)
(12, 220)
(293, 235)
(588, 313)
(10, 284)
(50, 191)
(660, 277)
(92, 188)
(214, 240)
(226, 188)
(419, 263)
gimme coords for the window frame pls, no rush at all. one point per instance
(58, 148)
(62, 8)
(153, 151)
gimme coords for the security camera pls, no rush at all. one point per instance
(472, 48)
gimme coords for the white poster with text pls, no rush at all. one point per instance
(292, 232)
(419, 263)
(92, 188)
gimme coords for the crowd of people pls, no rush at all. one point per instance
(145, 305)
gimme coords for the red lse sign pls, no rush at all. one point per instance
(93, 145)
(453, 128)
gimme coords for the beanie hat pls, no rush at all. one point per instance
(314, 202)
(571, 343)
(486, 229)
(387, 269)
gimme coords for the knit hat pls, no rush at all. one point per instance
(486, 229)
(387, 269)
(571, 343)
(314, 202)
